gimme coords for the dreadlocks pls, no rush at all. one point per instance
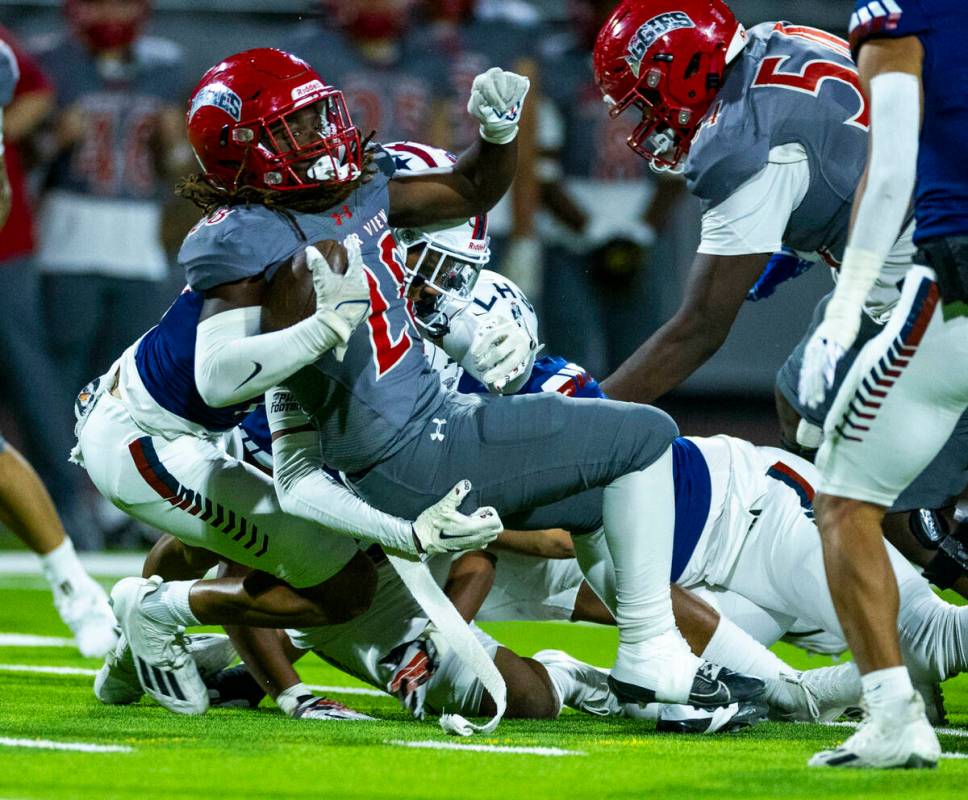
(310, 201)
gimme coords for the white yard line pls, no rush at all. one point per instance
(48, 670)
(29, 640)
(97, 564)
(432, 744)
(348, 690)
(49, 744)
(959, 732)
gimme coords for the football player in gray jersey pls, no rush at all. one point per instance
(770, 129)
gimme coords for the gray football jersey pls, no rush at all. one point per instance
(396, 100)
(377, 398)
(791, 84)
(9, 73)
(116, 156)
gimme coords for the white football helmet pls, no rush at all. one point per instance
(452, 254)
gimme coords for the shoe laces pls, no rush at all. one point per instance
(809, 698)
(709, 671)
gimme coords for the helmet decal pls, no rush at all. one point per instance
(220, 96)
(650, 31)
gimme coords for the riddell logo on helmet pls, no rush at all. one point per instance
(652, 30)
(307, 88)
(220, 96)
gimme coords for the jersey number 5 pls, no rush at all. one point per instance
(388, 351)
(810, 78)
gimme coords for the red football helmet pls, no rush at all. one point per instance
(107, 24)
(667, 57)
(265, 118)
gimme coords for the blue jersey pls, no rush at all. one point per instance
(693, 483)
(941, 192)
(165, 359)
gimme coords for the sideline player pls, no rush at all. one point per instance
(915, 370)
(26, 507)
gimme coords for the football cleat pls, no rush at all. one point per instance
(116, 682)
(817, 695)
(234, 688)
(313, 707)
(903, 739)
(728, 719)
(679, 676)
(164, 666)
(84, 607)
(933, 696)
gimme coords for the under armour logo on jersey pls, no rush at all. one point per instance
(438, 435)
(343, 212)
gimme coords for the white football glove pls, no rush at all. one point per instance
(443, 529)
(342, 301)
(832, 338)
(497, 99)
(502, 351)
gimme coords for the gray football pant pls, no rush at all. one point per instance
(945, 477)
(540, 460)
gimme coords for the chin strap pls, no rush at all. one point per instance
(454, 630)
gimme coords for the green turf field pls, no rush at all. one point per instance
(253, 754)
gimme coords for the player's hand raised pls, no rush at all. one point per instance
(443, 529)
(497, 99)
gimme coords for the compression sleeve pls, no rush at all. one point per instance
(234, 362)
(891, 173)
(305, 490)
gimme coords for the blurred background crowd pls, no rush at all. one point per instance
(95, 143)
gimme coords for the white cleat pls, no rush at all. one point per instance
(816, 695)
(116, 683)
(904, 739)
(84, 607)
(164, 665)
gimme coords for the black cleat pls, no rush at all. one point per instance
(713, 687)
(234, 687)
(735, 717)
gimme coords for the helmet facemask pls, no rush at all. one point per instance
(440, 283)
(663, 136)
(312, 144)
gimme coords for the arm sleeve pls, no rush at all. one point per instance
(754, 218)
(305, 490)
(234, 362)
(891, 174)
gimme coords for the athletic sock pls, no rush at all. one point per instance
(62, 569)
(639, 515)
(170, 603)
(290, 699)
(887, 691)
(578, 685)
(733, 648)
